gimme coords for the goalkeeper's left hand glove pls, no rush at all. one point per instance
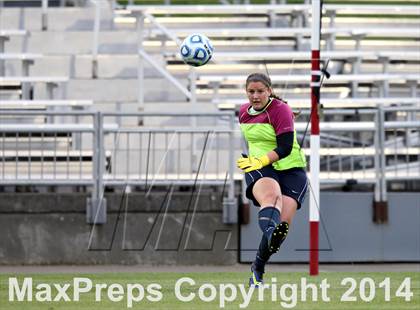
(251, 163)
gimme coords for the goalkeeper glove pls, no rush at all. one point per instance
(251, 163)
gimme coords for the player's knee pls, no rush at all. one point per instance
(271, 199)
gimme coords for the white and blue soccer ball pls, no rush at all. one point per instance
(196, 50)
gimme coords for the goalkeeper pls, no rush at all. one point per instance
(274, 168)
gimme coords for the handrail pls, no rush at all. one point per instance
(218, 9)
(276, 8)
(165, 74)
(162, 28)
(141, 16)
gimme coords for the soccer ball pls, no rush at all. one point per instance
(196, 50)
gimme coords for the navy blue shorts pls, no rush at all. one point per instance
(293, 182)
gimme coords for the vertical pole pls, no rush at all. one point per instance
(101, 155)
(380, 206)
(356, 64)
(96, 204)
(193, 100)
(230, 204)
(231, 191)
(377, 157)
(385, 65)
(96, 28)
(26, 87)
(382, 152)
(44, 16)
(315, 143)
(2, 65)
(193, 85)
(140, 66)
(91, 203)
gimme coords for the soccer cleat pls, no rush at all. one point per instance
(256, 278)
(277, 237)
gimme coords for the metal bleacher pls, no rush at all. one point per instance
(43, 146)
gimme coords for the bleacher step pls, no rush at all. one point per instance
(155, 89)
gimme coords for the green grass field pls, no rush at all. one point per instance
(377, 290)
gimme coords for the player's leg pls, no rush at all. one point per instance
(281, 192)
(270, 244)
(294, 184)
(266, 191)
(274, 226)
(290, 207)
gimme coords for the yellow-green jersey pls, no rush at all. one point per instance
(261, 129)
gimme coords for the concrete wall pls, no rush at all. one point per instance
(347, 232)
(51, 229)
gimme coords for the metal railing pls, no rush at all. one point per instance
(110, 149)
(89, 148)
(178, 154)
(385, 148)
(46, 148)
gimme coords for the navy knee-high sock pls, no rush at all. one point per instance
(268, 219)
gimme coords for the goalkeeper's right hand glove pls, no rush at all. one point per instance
(248, 164)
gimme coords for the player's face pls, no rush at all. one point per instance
(258, 94)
